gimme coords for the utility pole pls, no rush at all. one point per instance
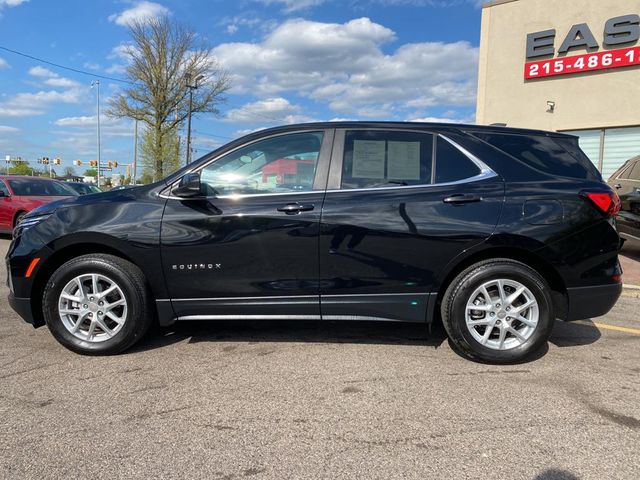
(191, 88)
(96, 83)
(135, 150)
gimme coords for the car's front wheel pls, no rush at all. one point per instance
(97, 304)
(499, 311)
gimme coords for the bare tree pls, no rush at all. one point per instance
(164, 57)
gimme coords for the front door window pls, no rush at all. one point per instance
(282, 164)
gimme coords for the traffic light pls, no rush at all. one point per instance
(44, 160)
(77, 162)
(115, 164)
(56, 161)
(93, 163)
(109, 163)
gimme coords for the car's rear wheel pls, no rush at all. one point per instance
(97, 304)
(499, 311)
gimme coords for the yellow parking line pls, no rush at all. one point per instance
(606, 326)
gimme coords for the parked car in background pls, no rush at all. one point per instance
(82, 188)
(19, 195)
(626, 182)
(496, 231)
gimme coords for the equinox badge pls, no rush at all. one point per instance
(197, 266)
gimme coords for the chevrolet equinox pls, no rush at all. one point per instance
(496, 231)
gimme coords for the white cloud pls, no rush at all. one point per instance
(39, 71)
(141, 11)
(297, 5)
(51, 78)
(11, 3)
(3, 63)
(344, 66)
(440, 120)
(30, 104)
(61, 82)
(293, 5)
(270, 110)
(7, 129)
(82, 121)
(91, 65)
(109, 126)
(121, 55)
(250, 20)
(428, 3)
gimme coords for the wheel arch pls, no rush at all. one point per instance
(58, 258)
(527, 257)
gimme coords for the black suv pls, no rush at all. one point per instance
(496, 231)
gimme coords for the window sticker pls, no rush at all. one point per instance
(368, 159)
(404, 161)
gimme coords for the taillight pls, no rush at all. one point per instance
(607, 202)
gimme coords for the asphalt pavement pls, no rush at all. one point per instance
(287, 400)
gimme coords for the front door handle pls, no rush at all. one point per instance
(460, 198)
(617, 186)
(295, 208)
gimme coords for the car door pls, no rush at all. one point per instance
(249, 247)
(6, 208)
(399, 206)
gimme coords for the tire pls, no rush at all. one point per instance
(487, 343)
(135, 313)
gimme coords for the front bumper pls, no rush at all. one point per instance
(22, 307)
(591, 302)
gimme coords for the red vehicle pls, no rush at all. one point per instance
(19, 195)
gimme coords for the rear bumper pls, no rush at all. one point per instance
(22, 307)
(591, 302)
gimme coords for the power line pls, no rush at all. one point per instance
(76, 70)
(212, 135)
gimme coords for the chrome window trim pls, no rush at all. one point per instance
(485, 173)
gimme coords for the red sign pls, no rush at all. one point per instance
(589, 62)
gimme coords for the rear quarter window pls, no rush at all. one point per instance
(451, 164)
(558, 156)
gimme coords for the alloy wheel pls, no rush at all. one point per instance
(92, 307)
(502, 314)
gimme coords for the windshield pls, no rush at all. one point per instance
(40, 188)
(83, 188)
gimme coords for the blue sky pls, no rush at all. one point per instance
(290, 61)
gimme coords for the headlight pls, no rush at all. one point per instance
(28, 222)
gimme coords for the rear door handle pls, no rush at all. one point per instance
(295, 208)
(617, 186)
(460, 198)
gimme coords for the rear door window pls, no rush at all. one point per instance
(557, 156)
(374, 158)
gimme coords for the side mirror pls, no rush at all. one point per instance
(189, 186)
